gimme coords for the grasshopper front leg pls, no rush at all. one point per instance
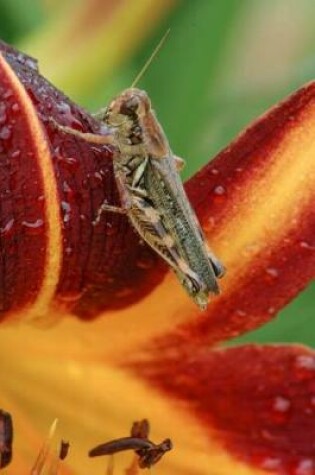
(89, 137)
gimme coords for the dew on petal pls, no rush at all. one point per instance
(241, 313)
(16, 153)
(271, 463)
(15, 107)
(28, 61)
(280, 410)
(305, 467)
(281, 404)
(65, 109)
(66, 208)
(6, 230)
(305, 366)
(214, 171)
(219, 190)
(272, 271)
(305, 361)
(7, 94)
(33, 227)
(69, 163)
(5, 133)
(306, 245)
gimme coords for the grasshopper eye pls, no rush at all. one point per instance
(130, 106)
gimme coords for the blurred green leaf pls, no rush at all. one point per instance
(18, 18)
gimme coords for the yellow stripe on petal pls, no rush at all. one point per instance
(43, 159)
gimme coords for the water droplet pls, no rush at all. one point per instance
(305, 467)
(69, 163)
(272, 271)
(8, 93)
(271, 463)
(16, 153)
(214, 171)
(69, 250)
(271, 310)
(305, 367)
(68, 191)
(241, 313)
(66, 208)
(31, 63)
(33, 227)
(7, 228)
(306, 245)
(280, 412)
(65, 109)
(306, 361)
(5, 133)
(15, 107)
(281, 404)
(219, 190)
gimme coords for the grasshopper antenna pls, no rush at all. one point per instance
(149, 61)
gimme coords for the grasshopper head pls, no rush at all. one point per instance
(130, 106)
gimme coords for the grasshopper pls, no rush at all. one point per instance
(152, 194)
(151, 191)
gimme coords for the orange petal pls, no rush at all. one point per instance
(258, 403)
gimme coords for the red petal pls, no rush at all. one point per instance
(51, 188)
(259, 403)
(256, 201)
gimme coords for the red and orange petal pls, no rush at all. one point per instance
(255, 404)
(254, 201)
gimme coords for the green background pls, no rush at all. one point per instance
(223, 64)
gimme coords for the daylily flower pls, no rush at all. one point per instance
(139, 347)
